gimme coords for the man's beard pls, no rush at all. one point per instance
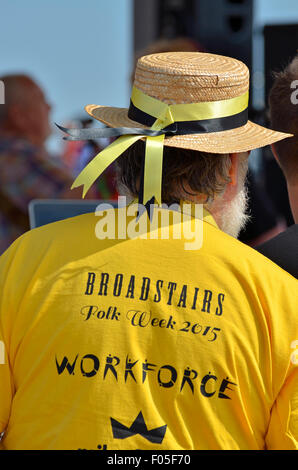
(233, 216)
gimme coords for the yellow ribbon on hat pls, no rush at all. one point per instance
(190, 111)
(165, 115)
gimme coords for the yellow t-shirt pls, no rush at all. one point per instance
(143, 344)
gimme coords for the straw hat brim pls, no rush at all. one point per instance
(242, 139)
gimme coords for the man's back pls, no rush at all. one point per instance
(283, 250)
(141, 344)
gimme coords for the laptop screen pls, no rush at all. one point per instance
(46, 211)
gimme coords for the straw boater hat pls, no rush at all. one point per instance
(193, 77)
(194, 100)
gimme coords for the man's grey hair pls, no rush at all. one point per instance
(203, 173)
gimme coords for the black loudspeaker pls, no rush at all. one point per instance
(281, 43)
(225, 27)
(176, 18)
(221, 26)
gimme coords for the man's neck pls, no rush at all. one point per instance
(214, 208)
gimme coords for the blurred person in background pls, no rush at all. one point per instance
(27, 171)
(179, 44)
(283, 108)
(77, 154)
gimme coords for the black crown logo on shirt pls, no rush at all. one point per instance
(120, 431)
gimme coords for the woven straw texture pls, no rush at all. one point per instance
(193, 77)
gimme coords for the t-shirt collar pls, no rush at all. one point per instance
(189, 208)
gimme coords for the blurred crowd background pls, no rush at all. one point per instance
(56, 57)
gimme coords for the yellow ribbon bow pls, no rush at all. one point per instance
(165, 115)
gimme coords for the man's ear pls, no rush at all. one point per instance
(234, 168)
(273, 148)
(233, 173)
